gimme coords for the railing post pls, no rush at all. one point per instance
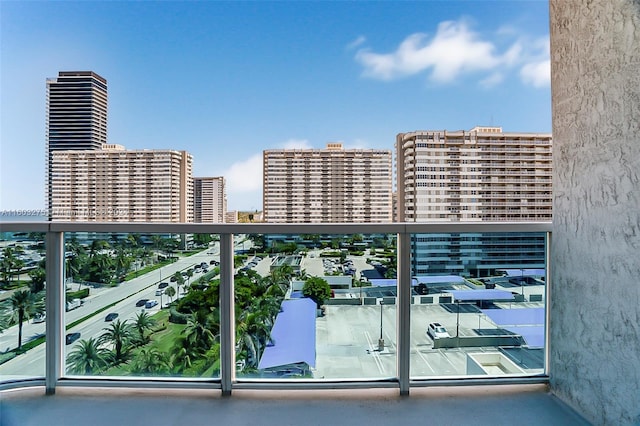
(227, 314)
(404, 310)
(55, 308)
(547, 303)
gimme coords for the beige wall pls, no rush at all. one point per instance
(595, 305)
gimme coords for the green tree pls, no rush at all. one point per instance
(252, 334)
(171, 292)
(151, 362)
(200, 331)
(38, 277)
(179, 281)
(8, 264)
(118, 334)
(122, 262)
(142, 323)
(88, 357)
(202, 239)
(317, 289)
(22, 305)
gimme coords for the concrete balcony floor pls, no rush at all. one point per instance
(472, 405)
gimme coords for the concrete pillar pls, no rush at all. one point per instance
(595, 268)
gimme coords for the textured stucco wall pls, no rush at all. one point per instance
(595, 296)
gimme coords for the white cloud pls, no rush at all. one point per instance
(536, 70)
(456, 50)
(453, 50)
(296, 144)
(245, 175)
(538, 74)
(492, 81)
(357, 144)
(357, 42)
(244, 184)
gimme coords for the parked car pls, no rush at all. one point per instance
(39, 318)
(141, 302)
(150, 304)
(73, 304)
(72, 337)
(436, 330)
(173, 279)
(159, 292)
(111, 316)
(163, 285)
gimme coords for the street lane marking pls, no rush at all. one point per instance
(374, 353)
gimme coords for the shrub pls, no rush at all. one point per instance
(317, 289)
(177, 317)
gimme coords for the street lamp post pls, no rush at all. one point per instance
(381, 340)
(458, 319)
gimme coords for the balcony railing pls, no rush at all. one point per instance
(412, 366)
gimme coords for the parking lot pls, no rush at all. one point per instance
(347, 337)
(347, 342)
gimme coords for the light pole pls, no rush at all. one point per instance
(381, 340)
(458, 319)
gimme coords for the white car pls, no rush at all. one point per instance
(436, 330)
(150, 304)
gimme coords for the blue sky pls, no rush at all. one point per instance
(226, 80)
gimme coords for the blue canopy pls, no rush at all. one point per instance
(455, 279)
(527, 322)
(468, 295)
(293, 335)
(517, 316)
(524, 272)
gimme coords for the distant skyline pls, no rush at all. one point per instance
(226, 80)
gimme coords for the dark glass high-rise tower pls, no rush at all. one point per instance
(76, 115)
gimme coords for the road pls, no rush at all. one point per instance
(125, 296)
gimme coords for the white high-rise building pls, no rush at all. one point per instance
(483, 174)
(118, 185)
(327, 185)
(210, 201)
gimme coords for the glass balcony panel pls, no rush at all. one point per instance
(143, 305)
(311, 307)
(479, 308)
(22, 304)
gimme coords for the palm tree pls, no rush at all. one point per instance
(253, 334)
(150, 362)
(8, 264)
(170, 291)
(182, 354)
(179, 279)
(122, 262)
(88, 357)
(38, 277)
(142, 323)
(23, 304)
(119, 334)
(198, 331)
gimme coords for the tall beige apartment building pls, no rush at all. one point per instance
(210, 201)
(327, 185)
(483, 174)
(117, 185)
